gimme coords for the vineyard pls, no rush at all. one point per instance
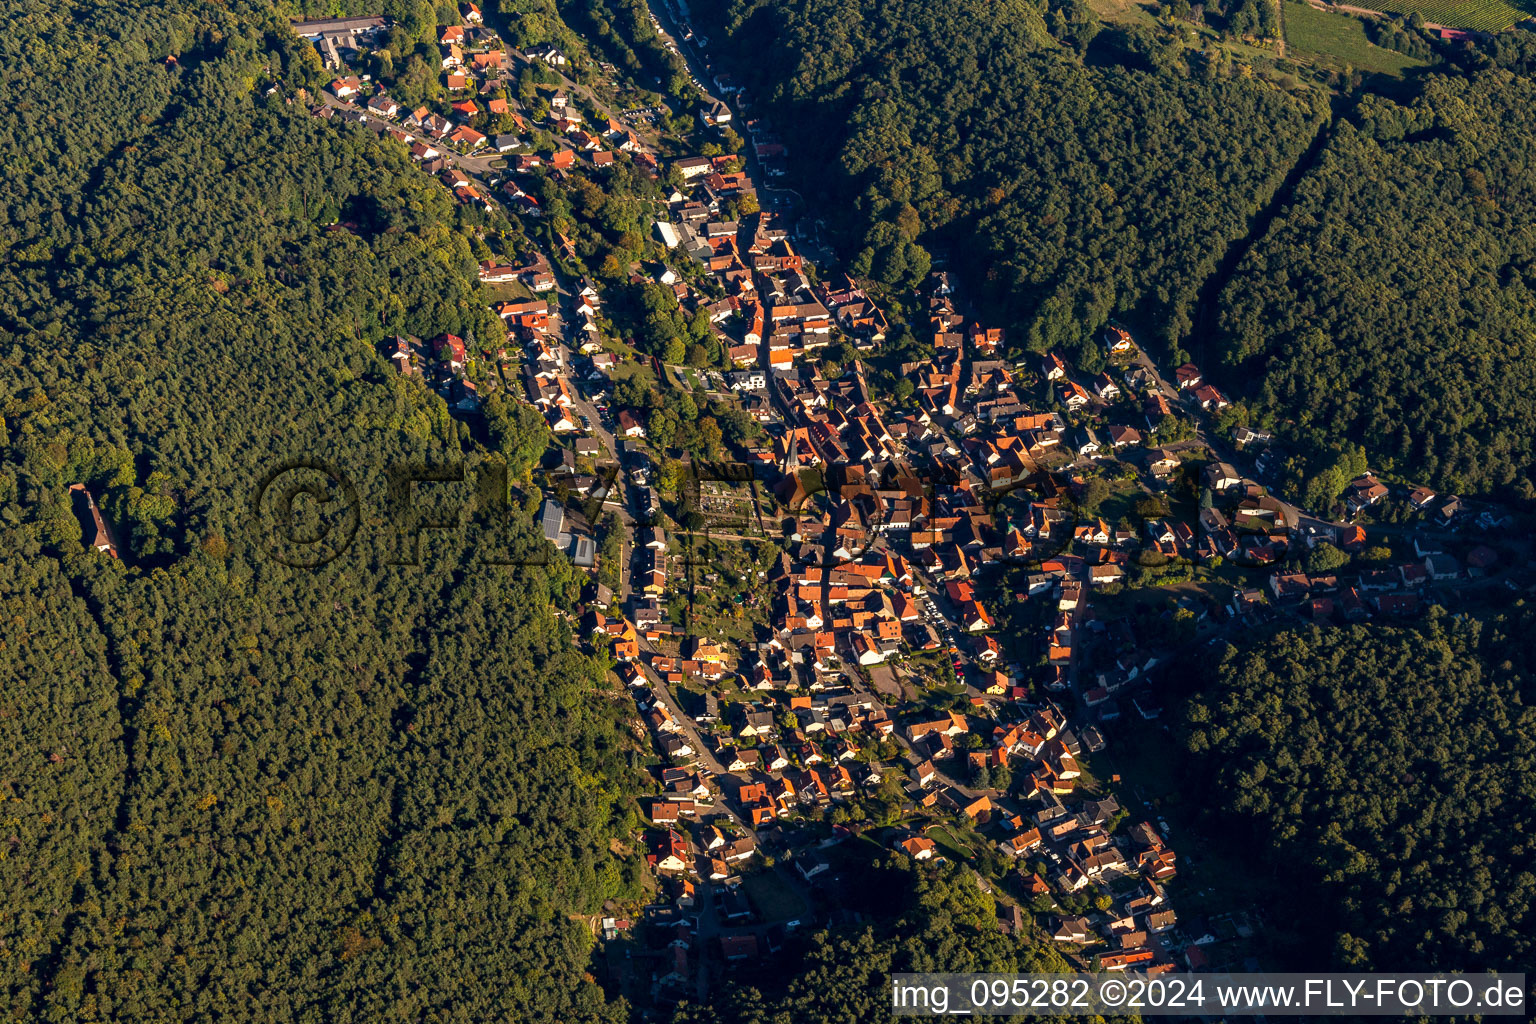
(1478, 15)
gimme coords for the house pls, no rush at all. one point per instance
(630, 425)
(101, 539)
(1442, 567)
(865, 649)
(812, 863)
(979, 809)
(1124, 959)
(1289, 586)
(1105, 387)
(383, 105)
(1073, 395)
(1073, 929)
(1220, 476)
(1087, 442)
(738, 947)
(1118, 340)
(346, 88)
(549, 53)
(924, 773)
(1021, 843)
(666, 812)
(1481, 559)
(1209, 399)
(693, 166)
(1161, 462)
(1099, 575)
(918, 847)
(1245, 436)
(1119, 437)
(949, 725)
(450, 349)
(672, 853)
(1363, 492)
(1188, 376)
(716, 115)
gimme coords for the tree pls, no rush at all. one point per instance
(1376, 556)
(1324, 558)
(518, 432)
(1002, 778)
(709, 438)
(1095, 491)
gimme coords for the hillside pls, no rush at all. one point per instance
(1393, 303)
(1073, 174)
(1382, 776)
(241, 791)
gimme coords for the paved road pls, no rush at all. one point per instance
(584, 407)
(701, 750)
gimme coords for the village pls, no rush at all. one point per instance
(900, 607)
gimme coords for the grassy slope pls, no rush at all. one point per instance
(1334, 40)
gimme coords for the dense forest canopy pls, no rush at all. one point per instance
(1076, 174)
(1393, 303)
(1385, 779)
(239, 790)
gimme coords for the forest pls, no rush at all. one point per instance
(237, 790)
(1382, 779)
(1390, 304)
(1073, 172)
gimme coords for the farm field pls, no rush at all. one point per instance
(1478, 15)
(1335, 40)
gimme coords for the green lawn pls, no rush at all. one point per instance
(631, 368)
(950, 843)
(1335, 40)
(1123, 496)
(1124, 12)
(507, 291)
(775, 899)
